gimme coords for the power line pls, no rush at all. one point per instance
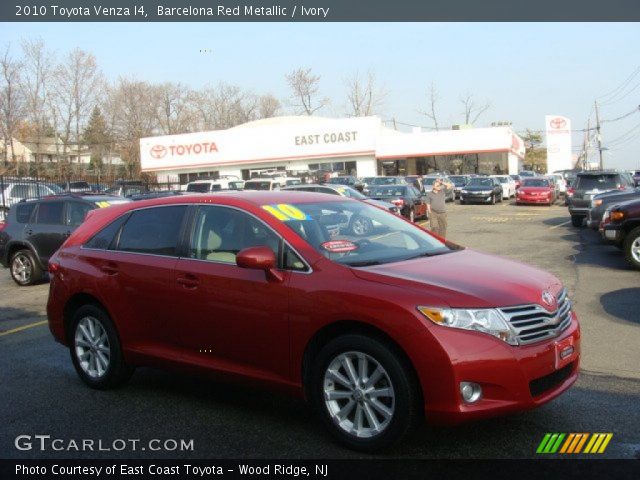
(635, 110)
(617, 90)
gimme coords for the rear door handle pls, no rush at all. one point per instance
(109, 268)
(67, 234)
(188, 281)
(29, 232)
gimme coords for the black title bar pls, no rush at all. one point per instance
(319, 10)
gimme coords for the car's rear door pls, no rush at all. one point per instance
(47, 230)
(231, 319)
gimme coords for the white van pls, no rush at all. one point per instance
(264, 184)
(207, 186)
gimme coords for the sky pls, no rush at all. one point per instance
(524, 70)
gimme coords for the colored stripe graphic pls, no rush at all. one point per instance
(573, 443)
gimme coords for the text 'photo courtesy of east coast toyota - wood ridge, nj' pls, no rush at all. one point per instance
(319, 239)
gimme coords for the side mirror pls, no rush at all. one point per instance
(259, 258)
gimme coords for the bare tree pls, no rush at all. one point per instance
(225, 106)
(11, 103)
(304, 90)
(430, 113)
(268, 106)
(36, 85)
(472, 110)
(174, 113)
(77, 81)
(363, 96)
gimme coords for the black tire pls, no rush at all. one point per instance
(25, 268)
(117, 371)
(576, 220)
(631, 243)
(462, 202)
(407, 405)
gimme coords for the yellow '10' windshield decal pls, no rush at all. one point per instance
(285, 212)
(103, 204)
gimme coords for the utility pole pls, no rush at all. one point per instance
(599, 139)
(585, 145)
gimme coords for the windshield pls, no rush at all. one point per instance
(386, 181)
(429, 180)
(293, 181)
(389, 191)
(599, 182)
(198, 187)
(480, 182)
(257, 185)
(458, 181)
(535, 182)
(350, 192)
(503, 179)
(356, 234)
(340, 181)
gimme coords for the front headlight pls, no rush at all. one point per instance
(464, 191)
(481, 320)
(596, 203)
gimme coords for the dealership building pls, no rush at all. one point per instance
(307, 146)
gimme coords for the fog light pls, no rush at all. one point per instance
(471, 392)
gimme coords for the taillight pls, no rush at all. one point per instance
(570, 191)
(398, 202)
(2, 226)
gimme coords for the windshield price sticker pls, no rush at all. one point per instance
(285, 212)
(339, 246)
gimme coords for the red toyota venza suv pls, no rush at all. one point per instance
(376, 329)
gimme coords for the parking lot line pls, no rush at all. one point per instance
(560, 224)
(24, 327)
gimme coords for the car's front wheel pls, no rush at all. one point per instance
(25, 269)
(366, 395)
(96, 350)
(632, 248)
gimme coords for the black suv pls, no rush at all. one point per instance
(34, 230)
(621, 226)
(589, 184)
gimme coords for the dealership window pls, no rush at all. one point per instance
(153, 230)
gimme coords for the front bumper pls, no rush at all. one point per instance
(513, 379)
(532, 199)
(475, 197)
(581, 211)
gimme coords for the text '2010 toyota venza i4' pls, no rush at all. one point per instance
(375, 330)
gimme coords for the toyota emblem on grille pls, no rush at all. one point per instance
(548, 298)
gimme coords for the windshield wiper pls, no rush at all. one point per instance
(364, 263)
(429, 254)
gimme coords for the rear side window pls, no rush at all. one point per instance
(23, 212)
(76, 212)
(104, 238)
(198, 187)
(153, 230)
(601, 182)
(50, 213)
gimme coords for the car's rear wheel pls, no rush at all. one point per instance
(25, 269)
(576, 220)
(96, 351)
(632, 247)
(365, 394)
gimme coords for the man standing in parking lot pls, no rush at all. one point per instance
(436, 208)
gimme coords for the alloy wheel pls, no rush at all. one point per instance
(21, 268)
(358, 394)
(92, 347)
(635, 249)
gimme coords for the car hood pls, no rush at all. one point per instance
(466, 279)
(476, 188)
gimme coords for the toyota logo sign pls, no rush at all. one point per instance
(158, 151)
(558, 123)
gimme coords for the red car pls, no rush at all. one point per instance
(537, 190)
(274, 289)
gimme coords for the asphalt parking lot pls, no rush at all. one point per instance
(43, 395)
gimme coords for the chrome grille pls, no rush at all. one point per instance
(532, 323)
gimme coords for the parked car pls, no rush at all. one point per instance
(590, 183)
(126, 189)
(536, 190)
(622, 228)
(263, 184)
(344, 191)
(527, 173)
(636, 177)
(508, 186)
(407, 198)
(560, 183)
(481, 189)
(601, 201)
(15, 191)
(236, 185)
(207, 186)
(347, 180)
(459, 181)
(517, 180)
(449, 187)
(35, 229)
(375, 331)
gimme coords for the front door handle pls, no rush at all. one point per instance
(188, 281)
